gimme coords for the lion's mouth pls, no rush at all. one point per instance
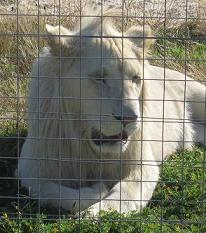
(100, 139)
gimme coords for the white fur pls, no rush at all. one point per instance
(66, 103)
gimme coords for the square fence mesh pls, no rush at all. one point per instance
(102, 116)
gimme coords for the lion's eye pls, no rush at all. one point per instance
(136, 78)
(100, 79)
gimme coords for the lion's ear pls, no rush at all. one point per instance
(58, 39)
(141, 36)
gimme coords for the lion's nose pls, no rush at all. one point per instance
(126, 119)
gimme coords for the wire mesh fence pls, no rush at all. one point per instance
(102, 116)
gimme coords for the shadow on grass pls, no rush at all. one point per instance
(14, 199)
(10, 147)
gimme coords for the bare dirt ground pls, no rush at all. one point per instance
(149, 8)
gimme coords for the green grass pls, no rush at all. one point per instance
(178, 204)
(180, 51)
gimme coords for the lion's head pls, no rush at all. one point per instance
(102, 77)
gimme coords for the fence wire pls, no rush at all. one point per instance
(102, 107)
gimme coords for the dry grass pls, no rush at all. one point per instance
(21, 42)
(16, 55)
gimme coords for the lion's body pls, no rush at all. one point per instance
(58, 160)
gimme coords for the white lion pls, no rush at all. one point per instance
(102, 119)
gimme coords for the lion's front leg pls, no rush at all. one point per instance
(130, 194)
(71, 199)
